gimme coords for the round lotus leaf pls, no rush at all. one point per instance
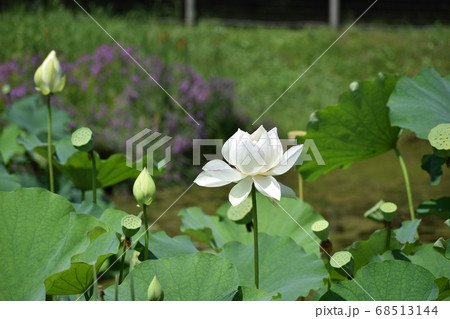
(343, 262)
(83, 139)
(321, 228)
(388, 209)
(439, 137)
(131, 225)
(240, 213)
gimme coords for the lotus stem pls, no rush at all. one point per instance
(122, 262)
(407, 184)
(255, 237)
(94, 178)
(144, 207)
(49, 145)
(116, 288)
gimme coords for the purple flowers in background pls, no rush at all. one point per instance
(109, 93)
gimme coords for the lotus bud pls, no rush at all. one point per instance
(6, 89)
(343, 263)
(155, 291)
(322, 229)
(131, 225)
(144, 189)
(48, 78)
(388, 209)
(83, 139)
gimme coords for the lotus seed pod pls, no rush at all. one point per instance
(131, 225)
(83, 139)
(343, 263)
(144, 189)
(155, 291)
(439, 137)
(48, 78)
(322, 229)
(388, 209)
(241, 213)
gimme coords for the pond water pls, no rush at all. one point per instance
(342, 196)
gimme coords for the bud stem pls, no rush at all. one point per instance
(408, 186)
(122, 262)
(144, 207)
(255, 237)
(49, 145)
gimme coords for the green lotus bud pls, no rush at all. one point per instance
(155, 291)
(83, 139)
(131, 225)
(343, 263)
(144, 189)
(439, 137)
(6, 89)
(241, 213)
(48, 78)
(388, 209)
(322, 229)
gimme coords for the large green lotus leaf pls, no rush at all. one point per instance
(427, 257)
(251, 294)
(78, 278)
(8, 144)
(199, 276)
(29, 114)
(355, 129)
(110, 171)
(218, 230)
(160, 244)
(421, 103)
(284, 267)
(8, 182)
(364, 251)
(439, 207)
(391, 280)
(163, 246)
(40, 234)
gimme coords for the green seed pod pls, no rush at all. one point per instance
(241, 213)
(389, 210)
(322, 229)
(144, 189)
(83, 139)
(155, 291)
(439, 137)
(131, 225)
(343, 263)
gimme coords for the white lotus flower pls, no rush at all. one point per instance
(48, 77)
(256, 158)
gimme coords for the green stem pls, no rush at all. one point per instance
(255, 236)
(94, 178)
(122, 262)
(329, 271)
(82, 196)
(144, 207)
(49, 144)
(388, 238)
(133, 298)
(408, 186)
(116, 288)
